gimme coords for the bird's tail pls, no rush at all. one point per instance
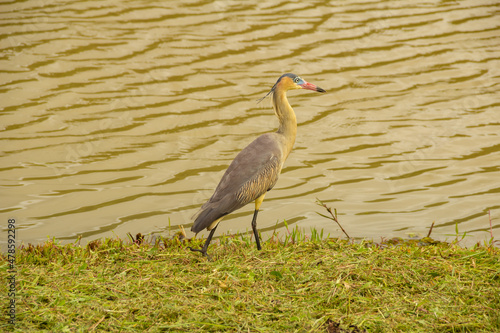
(206, 217)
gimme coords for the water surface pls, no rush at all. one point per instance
(121, 116)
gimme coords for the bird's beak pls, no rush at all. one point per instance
(310, 86)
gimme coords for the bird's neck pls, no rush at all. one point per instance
(287, 119)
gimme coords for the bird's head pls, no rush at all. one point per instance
(291, 81)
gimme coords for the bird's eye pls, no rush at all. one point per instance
(296, 80)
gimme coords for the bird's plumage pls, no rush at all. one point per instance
(255, 170)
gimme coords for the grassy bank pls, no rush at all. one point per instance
(300, 286)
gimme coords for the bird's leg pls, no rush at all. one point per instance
(254, 227)
(205, 247)
(258, 202)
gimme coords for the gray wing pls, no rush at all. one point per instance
(254, 171)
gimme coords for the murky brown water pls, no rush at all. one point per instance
(121, 116)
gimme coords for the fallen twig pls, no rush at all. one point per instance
(491, 226)
(333, 215)
(430, 230)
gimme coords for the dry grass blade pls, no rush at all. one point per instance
(93, 327)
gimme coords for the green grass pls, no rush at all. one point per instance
(300, 286)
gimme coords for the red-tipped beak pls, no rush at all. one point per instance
(310, 86)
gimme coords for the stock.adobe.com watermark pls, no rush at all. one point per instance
(11, 271)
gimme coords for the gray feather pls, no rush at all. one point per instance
(253, 172)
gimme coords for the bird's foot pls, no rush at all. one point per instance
(202, 251)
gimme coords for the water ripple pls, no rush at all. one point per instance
(122, 117)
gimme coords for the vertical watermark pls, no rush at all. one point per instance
(11, 271)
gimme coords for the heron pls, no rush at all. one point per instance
(255, 170)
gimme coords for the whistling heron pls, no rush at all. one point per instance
(256, 169)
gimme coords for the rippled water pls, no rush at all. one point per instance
(121, 116)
